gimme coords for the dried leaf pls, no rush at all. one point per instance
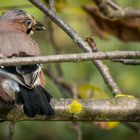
(106, 125)
(127, 29)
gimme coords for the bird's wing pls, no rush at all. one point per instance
(30, 74)
(12, 76)
(28, 80)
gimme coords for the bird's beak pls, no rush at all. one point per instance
(38, 26)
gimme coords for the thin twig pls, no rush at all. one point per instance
(11, 130)
(107, 8)
(104, 70)
(63, 87)
(127, 61)
(77, 127)
(52, 5)
(114, 5)
(59, 70)
(133, 127)
(70, 58)
(16, 6)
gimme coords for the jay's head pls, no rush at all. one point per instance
(21, 20)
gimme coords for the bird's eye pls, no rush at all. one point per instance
(28, 22)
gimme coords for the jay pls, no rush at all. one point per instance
(22, 85)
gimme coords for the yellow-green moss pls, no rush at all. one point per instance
(124, 95)
(75, 107)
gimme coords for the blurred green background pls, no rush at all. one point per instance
(82, 73)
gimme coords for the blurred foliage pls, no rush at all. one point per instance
(107, 125)
(85, 74)
(89, 91)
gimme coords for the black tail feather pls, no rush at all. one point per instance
(35, 101)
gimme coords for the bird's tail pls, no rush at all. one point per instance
(35, 101)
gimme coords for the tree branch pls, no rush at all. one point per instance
(127, 61)
(115, 109)
(69, 30)
(82, 44)
(51, 4)
(70, 57)
(113, 10)
(16, 6)
(11, 130)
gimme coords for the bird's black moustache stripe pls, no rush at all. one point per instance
(29, 31)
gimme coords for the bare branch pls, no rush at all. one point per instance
(113, 10)
(11, 130)
(127, 61)
(114, 5)
(77, 127)
(70, 58)
(64, 88)
(115, 109)
(52, 5)
(16, 6)
(59, 70)
(132, 126)
(104, 70)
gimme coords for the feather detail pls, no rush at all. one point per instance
(35, 101)
(34, 98)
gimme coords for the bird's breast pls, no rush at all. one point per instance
(17, 44)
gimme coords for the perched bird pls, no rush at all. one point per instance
(22, 85)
